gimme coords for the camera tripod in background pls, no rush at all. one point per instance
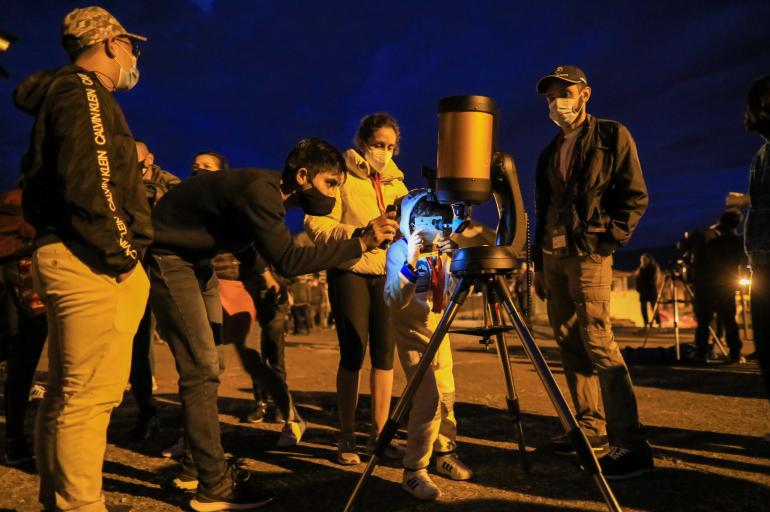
(485, 269)
(670, 281)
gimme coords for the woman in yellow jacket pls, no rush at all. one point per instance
(356, 289)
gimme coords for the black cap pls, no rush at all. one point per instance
(568, 74)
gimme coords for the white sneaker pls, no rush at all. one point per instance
(452, 467)
(418, 484)
(36, 392)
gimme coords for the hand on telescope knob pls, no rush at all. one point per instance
(379, 230)
(413, 248)
(540, 285)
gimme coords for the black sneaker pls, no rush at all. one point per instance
(622, 464)
(233, 492)
(17, 453)
(258, 416)
(561, 445)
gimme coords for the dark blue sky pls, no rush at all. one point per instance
(250, 78)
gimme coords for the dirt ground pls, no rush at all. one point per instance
(705, 424)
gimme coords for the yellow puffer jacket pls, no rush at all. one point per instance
(356, 205)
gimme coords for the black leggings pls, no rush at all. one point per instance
(360, 314)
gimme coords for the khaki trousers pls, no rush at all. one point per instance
(578, 292)
(432, 424)
(91, 324)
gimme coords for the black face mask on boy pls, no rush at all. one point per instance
(314, 202)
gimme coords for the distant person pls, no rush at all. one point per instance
(757, 227)
(717, 257)
(228, 211)
(589, 196)
(647, 286)
(356, 288)
(300, 308)
(208, 161)
(84, 197)
(318, 297)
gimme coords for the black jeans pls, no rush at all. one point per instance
(720, 301)
(272, 317)
(142, 366)
(185, 299)
(760, 318)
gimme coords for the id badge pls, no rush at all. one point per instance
(559, 240)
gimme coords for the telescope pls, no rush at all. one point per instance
(468, 170)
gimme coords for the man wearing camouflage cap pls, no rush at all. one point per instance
(83, 193)
(589, 196)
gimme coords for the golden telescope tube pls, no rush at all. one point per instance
(466, 132)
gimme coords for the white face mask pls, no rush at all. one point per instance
(564, 111)
(378, 158)
(128, 77)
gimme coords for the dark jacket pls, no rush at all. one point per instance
(606, 193)
(157, 182)
(757, 228)
(81, 179)
(231, 210)
(716, 256)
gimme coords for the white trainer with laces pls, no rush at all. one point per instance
(418, 484)
(452, 467)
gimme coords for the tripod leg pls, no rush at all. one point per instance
(676, 319)
(568, 421)
(512, 398)
(403, 404)
(654, 311)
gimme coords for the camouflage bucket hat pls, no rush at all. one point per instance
(90, 25)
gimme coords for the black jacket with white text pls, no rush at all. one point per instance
(80, 176)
